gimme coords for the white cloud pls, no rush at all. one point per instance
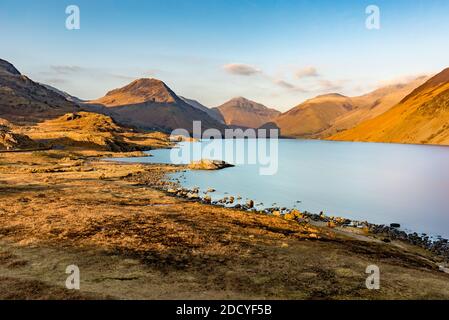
(287, 85)
(329, 85)
(308, 72)
(241, 69)
(401, 80)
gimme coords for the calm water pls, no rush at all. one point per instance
(380, 183)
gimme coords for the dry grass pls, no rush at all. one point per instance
(133, 241)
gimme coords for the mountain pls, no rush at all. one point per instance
(64, 94)
(212, 113)
(151, 104)
(23, 101)
(326, 115)
(242, 112)
(313, 116)
(421, 117)
(371, 105)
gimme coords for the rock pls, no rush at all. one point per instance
(395, 225)
(207, 199)
(231, 199)
(172, 191)
(276, 213)
(210, 190)
(444, 269)
(192, 196)
(206, 164)
(331, 224)
(289, 216)
(250, 204)
(296, 214)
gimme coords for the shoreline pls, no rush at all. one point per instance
(439, 245)
(134, 241)
(434, 244)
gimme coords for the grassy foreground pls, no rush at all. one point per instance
(133, 241)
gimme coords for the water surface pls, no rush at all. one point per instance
(380, 183)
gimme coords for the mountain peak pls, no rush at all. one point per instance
(243, 112)
(140, 91)
(7, 67)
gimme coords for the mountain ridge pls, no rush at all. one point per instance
(242, 112)
(421, 117)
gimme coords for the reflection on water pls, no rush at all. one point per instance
(380, 183)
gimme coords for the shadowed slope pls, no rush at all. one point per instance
(151, 104)
(24, 101)
(242, 112)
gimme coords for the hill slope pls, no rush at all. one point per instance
(329, 114)
(242, 112)
(10, 140)
(151, 104)
(371, 105)
(23, 101)
(211, 112)
(421, 117)
(313, 116)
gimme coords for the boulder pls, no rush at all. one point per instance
(206, 164)
(207, 199)
(192, 196)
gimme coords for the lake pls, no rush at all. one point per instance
(380, 183)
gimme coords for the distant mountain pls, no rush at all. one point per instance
(151, 104)
(242, 112)
(326, 115)
(64, 94)
(313, 116)
(212, 113)
(421, 117)
(23, 101)
(371, 105)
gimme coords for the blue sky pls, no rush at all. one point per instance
(277, 52)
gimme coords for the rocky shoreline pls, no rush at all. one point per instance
(438, 246)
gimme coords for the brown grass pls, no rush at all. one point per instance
(133, 241)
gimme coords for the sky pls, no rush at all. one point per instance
(276, 52)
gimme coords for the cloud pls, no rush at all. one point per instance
(65, 71)
(60, 69)
(402, 80)
(308, 72)
(241, 69)
(56, 81)
(289, 86)
(330, 85)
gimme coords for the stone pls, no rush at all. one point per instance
(296, 214)
(206, 164)
(193, 196)
(250, 204)
(289, 216)
(331, 224)
(395, 225)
